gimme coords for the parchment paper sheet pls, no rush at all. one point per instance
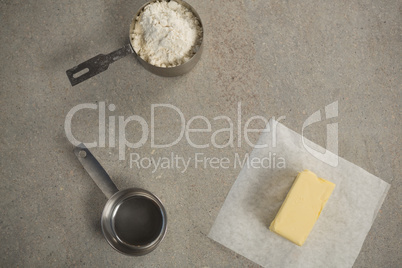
(252, 203)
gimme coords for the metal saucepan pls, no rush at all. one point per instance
(101, 62)
(134, 221)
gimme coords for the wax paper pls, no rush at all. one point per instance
(257, 194)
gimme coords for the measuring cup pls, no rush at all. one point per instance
(101, 62)
(133, 220)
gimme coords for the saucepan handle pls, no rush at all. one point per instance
(96, 65)
(95, 170)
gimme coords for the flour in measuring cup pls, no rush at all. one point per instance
(166, 34)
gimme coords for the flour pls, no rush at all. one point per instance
(166, 34)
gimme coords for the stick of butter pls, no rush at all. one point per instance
(302, 206)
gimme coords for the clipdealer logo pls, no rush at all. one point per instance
(148, 131)
(198, 160)
(330, 155)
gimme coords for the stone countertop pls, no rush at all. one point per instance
(261, 58)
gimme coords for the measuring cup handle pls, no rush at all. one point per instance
(95, 170)
(96, 65)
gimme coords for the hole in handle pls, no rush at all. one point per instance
(80, 73)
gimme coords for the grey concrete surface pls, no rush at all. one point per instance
(277, 58)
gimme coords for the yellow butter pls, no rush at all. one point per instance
(302, 206)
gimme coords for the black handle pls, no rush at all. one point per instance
(96, 65)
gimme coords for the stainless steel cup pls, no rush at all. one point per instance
(101, 62)
(134, 221)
